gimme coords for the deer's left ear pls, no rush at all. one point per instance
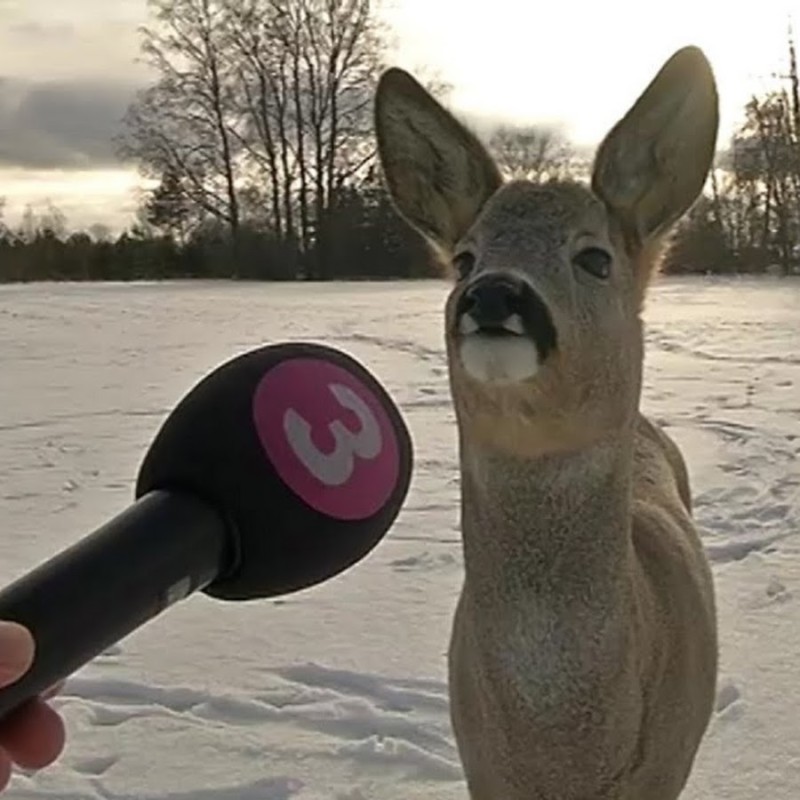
(652, 165)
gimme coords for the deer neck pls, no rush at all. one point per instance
(546, 531)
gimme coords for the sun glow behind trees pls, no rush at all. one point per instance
(257, 125)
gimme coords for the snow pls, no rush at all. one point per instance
(339, 692)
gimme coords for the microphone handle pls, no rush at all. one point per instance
(159, 550)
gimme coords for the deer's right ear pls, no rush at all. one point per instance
(438, 173)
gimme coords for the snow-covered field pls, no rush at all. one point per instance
(339, 692)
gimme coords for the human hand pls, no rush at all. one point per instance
(33, 736)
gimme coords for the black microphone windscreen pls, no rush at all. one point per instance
(303, 452)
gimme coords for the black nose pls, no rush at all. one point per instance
(491, 300)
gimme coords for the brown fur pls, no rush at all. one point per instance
(583, 656)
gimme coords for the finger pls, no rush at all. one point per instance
(5, 769)
(33, 736)
(16, 652)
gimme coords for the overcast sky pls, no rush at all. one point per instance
(68, 71)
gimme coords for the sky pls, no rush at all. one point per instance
(69, 69)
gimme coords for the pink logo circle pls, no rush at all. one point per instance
(328, 437)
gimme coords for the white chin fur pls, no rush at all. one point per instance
(510, 359)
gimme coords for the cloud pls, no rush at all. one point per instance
(67, 123)
(24, 32)
(95, 39)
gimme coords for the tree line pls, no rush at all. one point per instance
(257, 140)
(748, 218)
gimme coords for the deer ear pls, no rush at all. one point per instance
(652, 165)
(438, 173)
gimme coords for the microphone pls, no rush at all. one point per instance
(279, 470)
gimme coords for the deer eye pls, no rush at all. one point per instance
(595, 261)
(463, 263)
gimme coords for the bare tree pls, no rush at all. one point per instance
(185, 124)
(307, 69)
(99, 232)
(757, 195)
(49, 222)
(263, 103)
(341, 55)
(769, 158)
(168, 208)
(262, 114)
(4, 229)
(530, 152)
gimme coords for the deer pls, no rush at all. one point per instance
(583, 656)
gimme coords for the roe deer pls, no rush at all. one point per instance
(583, 657)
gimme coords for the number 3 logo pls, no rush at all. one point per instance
(353, 474)
(335, 468)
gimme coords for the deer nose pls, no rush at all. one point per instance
(491, 300)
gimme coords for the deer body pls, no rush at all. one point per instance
(583, 656)
(570, 676)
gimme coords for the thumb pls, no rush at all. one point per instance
(16, 652)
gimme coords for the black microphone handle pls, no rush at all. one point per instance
(159, 550)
